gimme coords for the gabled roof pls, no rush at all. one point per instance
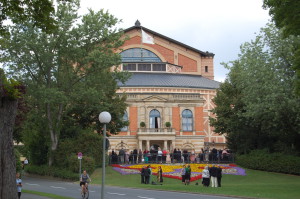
(138, 26)
(140, 79)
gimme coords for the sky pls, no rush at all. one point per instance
(217, 26)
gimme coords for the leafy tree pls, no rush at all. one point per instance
(286, 15)
(256, 106)
(68, 72)
(39, 12)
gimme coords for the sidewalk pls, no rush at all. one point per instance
(32, 196)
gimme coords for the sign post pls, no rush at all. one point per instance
(79, 158)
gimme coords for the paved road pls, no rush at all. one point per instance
(73, 190)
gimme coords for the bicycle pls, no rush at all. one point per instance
(85, 194)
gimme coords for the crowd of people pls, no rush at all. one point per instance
(164, 156)
(210, 175)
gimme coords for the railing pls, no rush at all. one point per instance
(187, 158)
(151, 130)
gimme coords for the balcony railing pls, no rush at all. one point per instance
(162, 131)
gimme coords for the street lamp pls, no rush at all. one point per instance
(104, 118)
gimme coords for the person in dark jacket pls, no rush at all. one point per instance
(213, 176)
(147, 173)
(143, 181)
(219, 175)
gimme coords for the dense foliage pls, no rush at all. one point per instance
(275, 162)
(39, 12)
(286, 15)
(52, 171)
(68, 76)
(256, 107)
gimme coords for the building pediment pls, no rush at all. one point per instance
(154, 98)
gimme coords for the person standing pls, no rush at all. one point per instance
(213, 174)
(183, 174)
(188, 173)
(150, 174)
(168, 158)
(205, 176)
(143, 171)
(19, 184)
(159, 175)
(219, 175)
(147, 175)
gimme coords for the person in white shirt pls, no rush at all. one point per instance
(205, 177)
(19, 185)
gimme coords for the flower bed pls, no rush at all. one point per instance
(174, 171)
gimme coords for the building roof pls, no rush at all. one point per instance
(138, 26)
(140, 79)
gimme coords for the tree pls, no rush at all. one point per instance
(286, 15)
(39, 12)
(69, 70)
(256, 106)
(9, 94)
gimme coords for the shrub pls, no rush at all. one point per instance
(168, 124)
(18, 161)
(87, 163)
(88, 143)
(45, 170)
(273, 162)
(142, 124)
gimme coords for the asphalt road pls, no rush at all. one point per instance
(73, 190)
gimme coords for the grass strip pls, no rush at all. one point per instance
(256, 184)
(49, 195)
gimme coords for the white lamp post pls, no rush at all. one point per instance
(104, 118)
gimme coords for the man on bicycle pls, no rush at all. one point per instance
(84, 180)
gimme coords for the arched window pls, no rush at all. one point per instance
(139, 55)
(125, 118)
(154, 119)
(187, 120)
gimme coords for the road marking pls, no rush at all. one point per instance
(92, 191)
(120, 194)
(145, 197)
(33, 184)
(57, 187)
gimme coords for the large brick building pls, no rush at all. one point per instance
(171, 84)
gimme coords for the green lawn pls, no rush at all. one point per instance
(49, 195)
(256, 184)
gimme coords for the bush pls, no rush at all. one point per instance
(88, 143)
(273, 162)
(45, 170)
(18, 161)
(168, 124)
(87, 163)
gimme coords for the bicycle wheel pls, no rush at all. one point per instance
(86, 195)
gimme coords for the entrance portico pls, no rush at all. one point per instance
(162, 138)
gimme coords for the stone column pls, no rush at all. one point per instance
(173, 144)
(141, 144)
(165, 144)
(148, 145)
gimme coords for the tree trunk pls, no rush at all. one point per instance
(8, 109)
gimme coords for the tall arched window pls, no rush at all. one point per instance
(125, 118)
(187, 120)
(154, 119)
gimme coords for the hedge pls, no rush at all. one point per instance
(45, 170)
(87, 163)
(273, 162)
